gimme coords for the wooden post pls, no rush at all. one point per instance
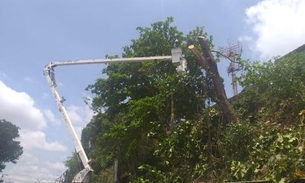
(116, 168)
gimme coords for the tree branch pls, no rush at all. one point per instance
(208, 63)
(221, 54)
(202, 61)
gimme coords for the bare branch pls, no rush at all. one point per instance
(223, 55)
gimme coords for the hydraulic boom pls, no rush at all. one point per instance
(49, 73)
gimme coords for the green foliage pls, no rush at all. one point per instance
(186, 155)
(284, 156)
(10, 149)
(272, 98)
(158, 39)
(237, 139)
(73, 167)
(277, 155)
(161, 128)
(143, 101)
(274, 89)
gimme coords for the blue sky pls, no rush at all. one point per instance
(35, 32)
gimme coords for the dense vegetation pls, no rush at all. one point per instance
(164, 127)
(10, 148)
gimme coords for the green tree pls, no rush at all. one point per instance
(144, 102)
(73, 165)
(274, 91)
(161, 127)
(10, 149)
(271, 146)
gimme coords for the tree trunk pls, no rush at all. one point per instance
(208, 63)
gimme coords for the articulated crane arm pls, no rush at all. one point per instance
(49, 73)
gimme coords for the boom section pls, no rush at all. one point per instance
(51, 65)
(49, 73)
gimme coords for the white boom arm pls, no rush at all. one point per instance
(78, 147)
(50, 76)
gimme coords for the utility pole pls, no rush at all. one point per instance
(232, 53)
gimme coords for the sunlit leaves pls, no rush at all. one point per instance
(275, 87)
(142, 102)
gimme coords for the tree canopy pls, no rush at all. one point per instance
(10, 149)
(164, 127)
(143, 102)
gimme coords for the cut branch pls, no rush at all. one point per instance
(207, 53)
(202, 61)
(208, 63)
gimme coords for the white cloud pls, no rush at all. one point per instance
(37, 139)
(51, 117)
(60, 84)
(45, 96)
(76, 114)
(27, 170)
(278, 25)
(28, 79)
(3, 75)
(57, 166)
(80, 116)
(18, 108)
